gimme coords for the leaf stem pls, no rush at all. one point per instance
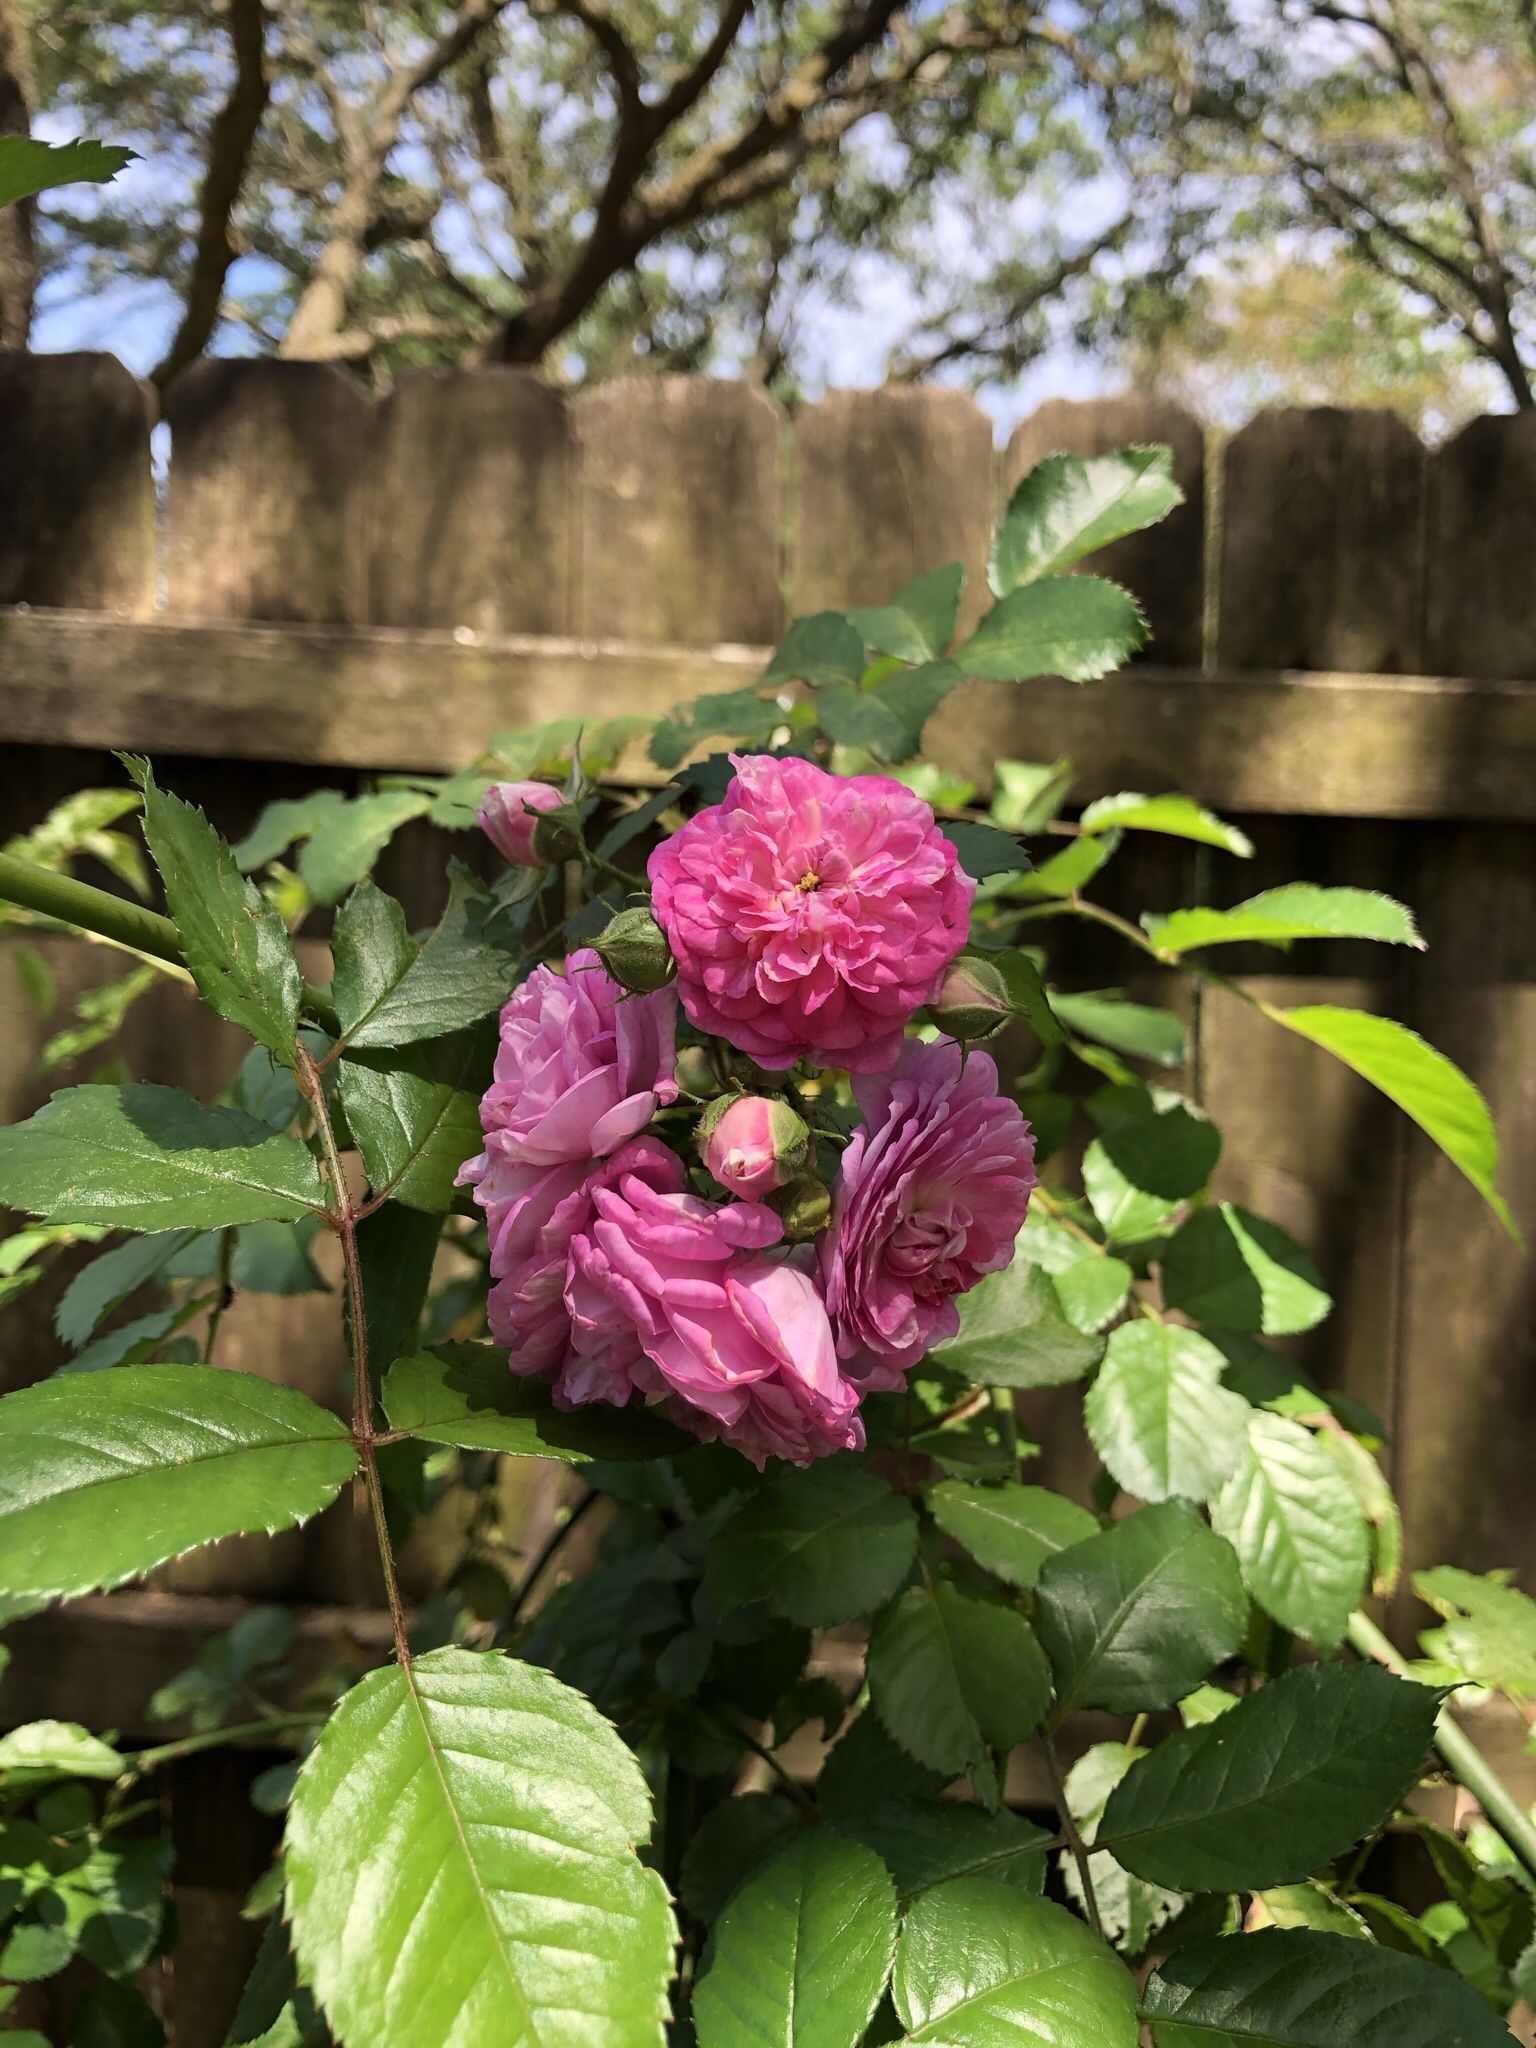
(144, 1761)
(1074, 1837)
(546, 1551)
(224, 1296)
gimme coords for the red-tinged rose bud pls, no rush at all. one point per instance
(973, 1001)
(753, 1144)
(805, 1207)
(511, 818)
(633, 948)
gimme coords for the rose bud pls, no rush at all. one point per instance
(634, 949)
(804, 1207)
(973, 1000)
(753, 1144)
(510, 817)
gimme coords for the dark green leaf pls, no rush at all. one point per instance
(414, 1112)
(919, 622)
(109, 1279)
(1130, 1910)
(466, 969)
(1297, 910)
(732, 1841)
(1069, 506)
(1011, 1529)
(1080, 627)
(940, 1840)
(888, 718)
(1297, 1527)
(742, 715)
(397, 1247)
(346, 841)
(1224, 1265)
(865, 1769)
(983, 850)
(1159, 1416)
(1013, 1333)
(28, 165)
(952, 1674)
(820, 650)
(825, 1545)
(1135, 1029)
(281, 823)
(467, 1394)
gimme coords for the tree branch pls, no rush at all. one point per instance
(18, 257)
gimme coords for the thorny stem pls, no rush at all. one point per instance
(1074, 1837)
(343, 1220)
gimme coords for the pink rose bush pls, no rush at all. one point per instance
(810, 917)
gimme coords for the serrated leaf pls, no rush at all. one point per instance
(61, 1746)
(923, 1845)
(919, 622)
(1278, 917)
(345, 840)
(1130, 1910)
(1179, 817)
(414, 1112)
(952, 1673)
(1079, 627)
(109, 1279)
(983, 850)
(1014, 1333)
(1135, 1617)
(888, 718)
(234, 943)
(144, 1157)
(461, 1865)
(1225, 1265)
(1159, 1416)
(106, 1475)
(1295, 1989)
(745, 716)
(387, 997)
(801, 1954)
(1293, 1776)
(280, 824)
(467, 1394)
(1421, 1081)
(1010, 1529)
(1167, 1154)
(1091, 1285)
(1488, 1629)
(28, 165)
(829, 1544)
(733, 1840)
(979, 1967)
(822, 649)
(1070, 505)
(1135, 1029)
(1298, 1530)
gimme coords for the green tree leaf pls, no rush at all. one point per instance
(1421, 1081)
(345, 840)
(1159, 1416)
(1013, 1332)
(414, 1112)
(461, 1868)
(465, 970)
(1027, 795)
(1010, 1529)
(821, 1546)
(1080, 627)
(952, 1673)
(1312, 1905)
(1070, 505)
(28, 166)
(821, 649)
(234, 942)
(1136, 1029)
(149, 1158)
(1293, 1776)
(934, 1842)
(1488, 1631)
(1299, 1532)
(802, 1952)
(1297, 910)
(979, 1967)
(1136, 1617)
(1130, 1910)
(108, 1474)
(1225, 1265)
(1296, 1989)
(1180, 817)
(465, 1394)
(919, 622)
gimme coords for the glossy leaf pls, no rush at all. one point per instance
(106, 1475)
(465, 1394)
(1277, 917)
(1179, 817)
(1293, 1776)
(979, 1967)
(1091, 1285)
(1011, 1529)
(1298, 1530)
(347, 839)
(746, 717)
(1224, 1265)
(62, 1746)
(387, 993)
(983, 850)
(802, 1952)
(414, 1113)
(109, 1279)
(1080, 627)
(1136, 1617)
(1159, 1416)
(821, 1546)
(733, 1841)
(1070, 505)
(952, 1673)
(923, 1845)
(919, 622)
(461, 1865)
(1014, 1332)
(149, 1158)
(1135, 1029)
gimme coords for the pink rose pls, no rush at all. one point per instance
(810, 914)
(581, 1068)
(509, 817)
(680, 1300)
(753, 1144)
(932, 1194)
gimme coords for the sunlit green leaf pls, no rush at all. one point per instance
(1299, 1532)
(1070, 505)
(1079, 627)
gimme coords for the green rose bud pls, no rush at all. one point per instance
(634, 949)
(805, 1207)
(973, 1001)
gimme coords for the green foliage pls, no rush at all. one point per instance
(28, 166)
(1010, 1529)
(463, 1394)
(1297, 1527)
(390, 992)
(1067, 507)
(821, 1546)
(1299, 910)
(1079, 627)
(1488, 1631)
(1014, 1333)
(1179, 817)
(1159, 1416)
(1224, 1265)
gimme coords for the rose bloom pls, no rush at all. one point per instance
(582, 1066)
(509, 818)
(810, 914)
(680, 1300)
(932, 1193)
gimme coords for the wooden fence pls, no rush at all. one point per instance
(1345, 637)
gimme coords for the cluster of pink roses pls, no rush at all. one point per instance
(809, 917)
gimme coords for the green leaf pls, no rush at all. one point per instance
(821, 649)
(979, 1967)
(1026, 992)
(28, 166)
(1136, 1029)
(397, 1248)
(1421, 1081)
(1488, 1633)
(1312, 1905)
(234, 942)
(1159, 1416)
(465, 970)
(741, 715)
(281, 823)
(1225, 1265)
(59, 1746)
(983, 850)
(733, 1840)
(1180, 817)
(109, 1279)
(1136, 1617)
(888, 718)
(414, 1112)
(1010, 1529)
(1298, 910)
(115, 2016)
(1013, 1332)
(144, 1157)
(461, 1867)
(468, 1395)
(821, 1546)
(1298, 1530)
(1130, 1910)
(345, 841)
(940, 1840)
(801, 1954)
(952, 1673)
(1168, 1155)
(1295, 1989)
(1065, 873)
(1079, 628)
(1293, 1776)
(107, 1475)
(919, 622)
(1091, 1286)
(1027, 795)
(1070, 505)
